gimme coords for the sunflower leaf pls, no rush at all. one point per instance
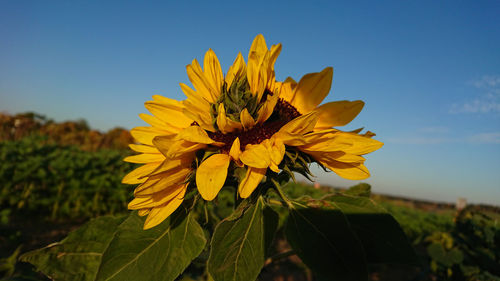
(238, 246)
(383, 239)
(78, 256)
(160, 253)
(323, 239)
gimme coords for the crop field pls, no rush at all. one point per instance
(53, 180)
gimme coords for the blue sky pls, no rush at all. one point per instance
(429, 72)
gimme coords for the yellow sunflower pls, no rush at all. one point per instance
(243, 120)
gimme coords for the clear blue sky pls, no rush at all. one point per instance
(429, 72)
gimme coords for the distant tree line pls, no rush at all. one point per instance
(73, 133)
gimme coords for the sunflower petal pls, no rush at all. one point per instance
(256, 155)
(156, 199)
(225, 124)
(152, 120)
(145, 135)
(312, 89)
(246, 119)
(199, 81)
(301, 125)
(143, 148)
(165, 181)
(361, 144)
(138, 174)
(252, 179)
(348, 171)
(235, 150)
(160, 213)
(236, 71)
(213, 71)
(195, 134)
(338, 113)
(211, 175)
(145, 158)
(172, 115)
(172, 148)
(170, 164)
(267, 109)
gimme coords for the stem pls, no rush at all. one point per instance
(277, 202)
(282, 195)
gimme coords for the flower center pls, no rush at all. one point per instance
(282, 114)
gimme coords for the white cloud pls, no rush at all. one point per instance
(442, 135)
(487, 102)
(492, 138)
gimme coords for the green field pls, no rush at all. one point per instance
(48, 189)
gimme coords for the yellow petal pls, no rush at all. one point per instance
(203, 118)
(200, 82)
(195, 134)
(160, 213)
(275, 51)
(257, 73)
(225, 124)
(211, 175)
(312, 89)
(252, 179)
(256, 155)
(277, 152)
(137, 175)
(156, 199)
(145, 158)
(172, 115)
(143, 148)
(170, 164)
(302, 124)
(143, 212)
(338, 113)
(165, 181)
(235, 150)
(145, 135)
(290, 139)
(246, 119)
(197, 101)
(348, 171)
(327, 142)
(172, 148)
(236, 71)
(267, 109)
(259, 46)
(361, 144)
(153, 121)
(213, 71)
(339, 156)
(286, 92)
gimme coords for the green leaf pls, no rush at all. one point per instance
(361, 189)
(382, 237)
(78, 256)
(324, 241)
(239, 244)
(160, 253)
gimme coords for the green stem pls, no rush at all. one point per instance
(282, 195)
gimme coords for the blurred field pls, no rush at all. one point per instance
(56, 176)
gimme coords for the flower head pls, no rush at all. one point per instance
(245, 121)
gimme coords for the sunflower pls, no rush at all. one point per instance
(243, 121)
